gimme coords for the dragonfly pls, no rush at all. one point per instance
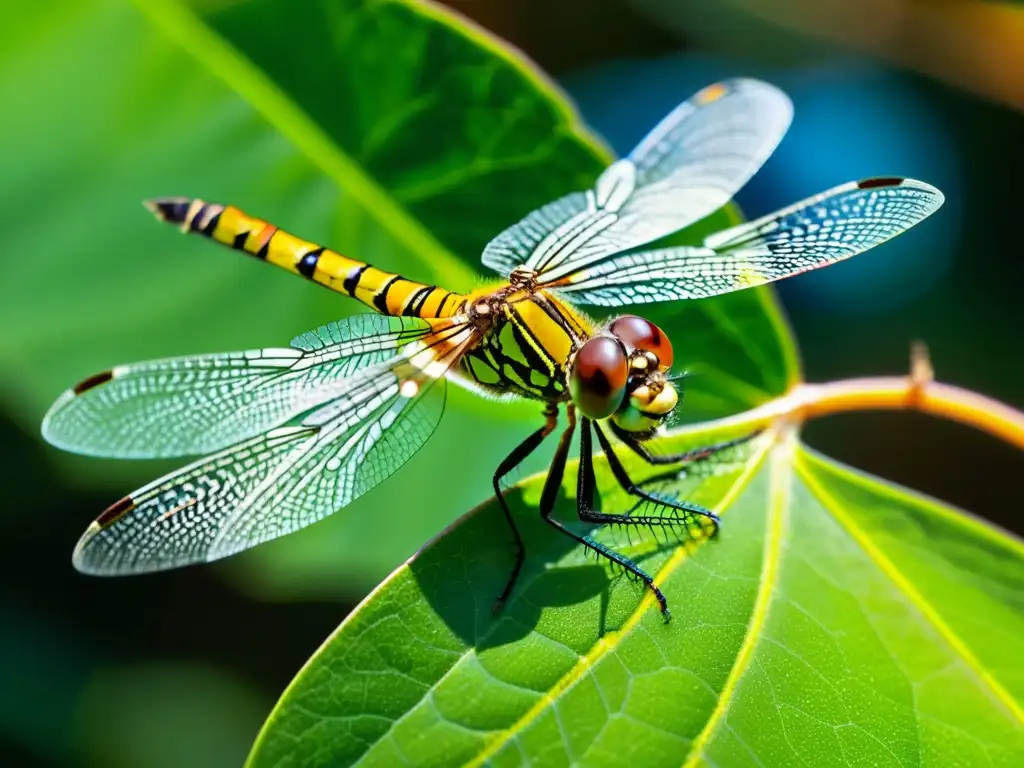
(291, 434)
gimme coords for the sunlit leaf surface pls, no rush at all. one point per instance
(837, 620)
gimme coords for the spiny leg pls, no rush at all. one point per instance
(514, 459)
(548, 495)
(694, 454)
(633, 489)
(585, 509)
(585, 504)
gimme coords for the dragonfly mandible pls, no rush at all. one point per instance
(296, 433)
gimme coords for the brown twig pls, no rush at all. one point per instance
(917, 391)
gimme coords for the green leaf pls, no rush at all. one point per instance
(836, 620)
(391, 130)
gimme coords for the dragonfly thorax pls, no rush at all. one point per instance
(528, 338)
(523, 277)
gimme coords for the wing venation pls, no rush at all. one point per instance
(200, 404)
(289, 476)
(690, 165)
(821, 230)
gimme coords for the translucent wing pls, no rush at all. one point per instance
(289, 476)
(192, 405)
(819, 231)
(690, 165)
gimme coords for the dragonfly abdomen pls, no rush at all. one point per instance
(385, 292)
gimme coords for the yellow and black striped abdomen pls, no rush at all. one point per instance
(385, 292)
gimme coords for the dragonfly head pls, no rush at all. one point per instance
(620, 374)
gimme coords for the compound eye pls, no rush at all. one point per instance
(597, 381)
(638, 333)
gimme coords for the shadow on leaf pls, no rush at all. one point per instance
(461, 573)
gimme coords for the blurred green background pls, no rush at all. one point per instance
(101, 110)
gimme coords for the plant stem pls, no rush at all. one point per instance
(915, 392)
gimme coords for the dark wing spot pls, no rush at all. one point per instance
(93, 381)
(115, 512)
(881, 181)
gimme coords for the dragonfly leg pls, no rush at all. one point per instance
(633, 489)
(514, 459)
(585, 510)
(685, 457)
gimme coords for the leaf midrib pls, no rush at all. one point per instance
(257, 89)
(780, 481)
(610, 641)
(604, 644)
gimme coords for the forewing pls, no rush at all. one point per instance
(690, 165)
(286, 478)
(194, 405)
(816, 232)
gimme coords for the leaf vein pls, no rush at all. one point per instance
(903, 584)
(778, 490)
(608, 644)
